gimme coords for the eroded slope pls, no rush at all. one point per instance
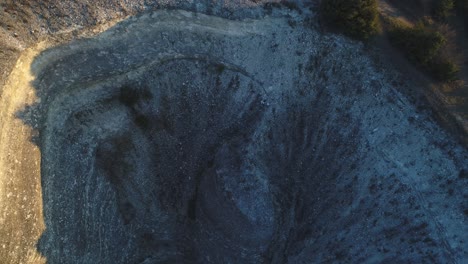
(186, 138)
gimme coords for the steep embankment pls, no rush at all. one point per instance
(181, 137)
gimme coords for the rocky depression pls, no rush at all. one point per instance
(176, 137)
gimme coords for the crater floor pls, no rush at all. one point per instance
(176, 137)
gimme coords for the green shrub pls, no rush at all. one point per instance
(444, 69)
(355, 18)
(424, 45)
(419, 43)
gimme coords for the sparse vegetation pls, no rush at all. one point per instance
(444, 69)
(424, 44)
(355, 18)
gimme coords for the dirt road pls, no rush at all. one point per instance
(21, 218)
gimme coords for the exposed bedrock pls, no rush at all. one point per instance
(182, 138)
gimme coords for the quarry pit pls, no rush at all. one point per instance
(179, 137)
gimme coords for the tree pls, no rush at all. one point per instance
(355, 18)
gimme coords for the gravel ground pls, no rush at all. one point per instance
(177, 137)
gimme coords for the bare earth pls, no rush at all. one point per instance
(253, 141)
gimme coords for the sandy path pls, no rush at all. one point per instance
(21, 218)
(21, 204)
